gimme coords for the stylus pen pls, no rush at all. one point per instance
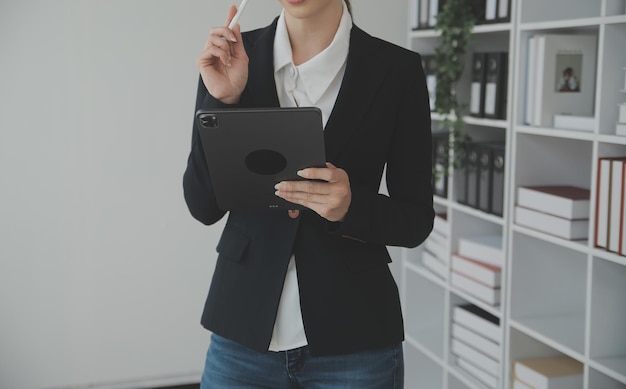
(238, 14)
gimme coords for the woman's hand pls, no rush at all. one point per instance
(223, 63)
(330, 199)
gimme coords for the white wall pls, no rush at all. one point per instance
(103, 272)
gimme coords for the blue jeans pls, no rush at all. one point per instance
(230, 365)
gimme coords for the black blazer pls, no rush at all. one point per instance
(348, 297)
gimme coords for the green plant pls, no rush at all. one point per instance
(455, 21)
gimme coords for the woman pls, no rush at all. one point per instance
(306, 299)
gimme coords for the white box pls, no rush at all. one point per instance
(474, 288)
(566, 201)
(552, 225)
(573, 122)
(478, 342)
(477, 358)
(487, 249)
(486, 378)
(484, 273)
(478, 320)
(550, 373)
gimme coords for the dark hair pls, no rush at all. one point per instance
(349, 6)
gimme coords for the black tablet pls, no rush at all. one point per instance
(249, 151)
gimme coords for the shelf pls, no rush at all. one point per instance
(560, 297)
(416, 34)
(427, 341)
(415, 265)
(561, 24)
(563, 333)
(580, 246)
(557, 12)
(599, 377)
(425, 351)
(612, 367)
(609, 256)
(422, 371)
(553, 309)
(477, 213)
(616, 19)
(465, 379)
(494, 27)
(613, 139)
(486, 122)
(555, 133)
(424, 311)
(478, 29)
(441, 201)
(615, 8)
(541, 160)
(608, 299)
(494, 310)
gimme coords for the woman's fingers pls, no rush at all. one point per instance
(330, 198)
(223, 63)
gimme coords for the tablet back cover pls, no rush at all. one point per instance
(248, 151)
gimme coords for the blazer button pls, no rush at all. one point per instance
(293, 213)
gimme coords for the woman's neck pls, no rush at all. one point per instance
(312, 34)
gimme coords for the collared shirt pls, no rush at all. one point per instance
(314, 83)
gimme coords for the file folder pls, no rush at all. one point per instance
(477, 90)
(495, 88)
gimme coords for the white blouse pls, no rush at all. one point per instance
(314, 83)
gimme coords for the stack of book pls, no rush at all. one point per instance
(477, 267)
(559, 210)
(481, 177)
(489, 85)
(435, 255)
(560, 372)
(560, 83)
(609, 229)
(476, 343)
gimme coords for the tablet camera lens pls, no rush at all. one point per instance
(209, 121)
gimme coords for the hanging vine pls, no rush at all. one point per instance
(455, 21)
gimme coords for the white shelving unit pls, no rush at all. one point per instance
(558, 296)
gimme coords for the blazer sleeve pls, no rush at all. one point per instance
(405, 217)
(197, 185)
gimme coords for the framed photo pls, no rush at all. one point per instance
(568, 72)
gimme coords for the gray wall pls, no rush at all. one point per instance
(103, 272)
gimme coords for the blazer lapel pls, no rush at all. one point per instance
(362, 79)
(261, 88)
